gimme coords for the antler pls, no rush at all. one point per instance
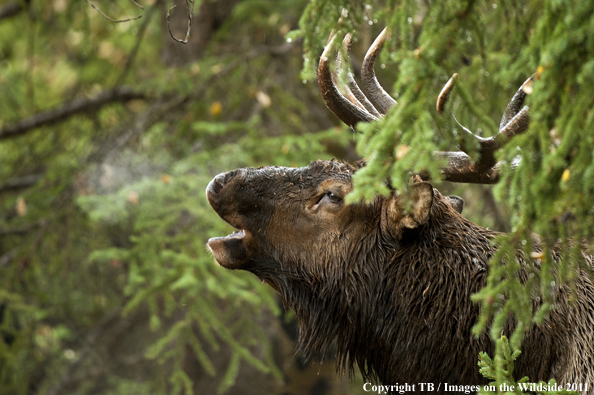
(353, 107)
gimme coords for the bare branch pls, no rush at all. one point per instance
(111, 19)
(20, 182)
(22, 231)
(138, 5)
(68, 109)
(120, 94)
(11, 9)
(139, 38)
(190, 10)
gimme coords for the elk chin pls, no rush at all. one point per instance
(229, 251)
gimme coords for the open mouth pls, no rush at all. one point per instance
(236, 235)
(229, 250)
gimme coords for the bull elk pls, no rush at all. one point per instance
(391, 287)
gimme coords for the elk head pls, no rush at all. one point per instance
(289, 219)
(281, 213)
(324, 257)
(327, 258)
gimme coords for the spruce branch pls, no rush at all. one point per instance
(501, 369)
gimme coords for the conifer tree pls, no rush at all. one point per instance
(547, 174)
(110, 131)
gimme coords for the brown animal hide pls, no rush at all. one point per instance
(390, 281)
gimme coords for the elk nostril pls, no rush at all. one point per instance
(216, 184)
(219, 182)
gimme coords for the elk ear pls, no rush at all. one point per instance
(456, 202)
(419, 199)
(422, 197)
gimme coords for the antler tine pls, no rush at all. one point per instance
(444, 95)
(462, 144)
(517, 125)
(348, 112)
(356, 108)
(378, 96)
(440, 104)
(515, 119)
(486, 169)
(346, 89)
(462, 169)
(516, 103)
(352, 90)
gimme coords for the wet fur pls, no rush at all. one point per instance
(396, 301)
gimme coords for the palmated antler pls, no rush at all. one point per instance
(353, 107)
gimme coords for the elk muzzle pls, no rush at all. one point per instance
(229, 251)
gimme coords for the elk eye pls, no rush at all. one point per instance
(328, 199)
(334, 198)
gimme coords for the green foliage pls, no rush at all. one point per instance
(501, 370)
(117, 223)
(115, 230)
(547, 172)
